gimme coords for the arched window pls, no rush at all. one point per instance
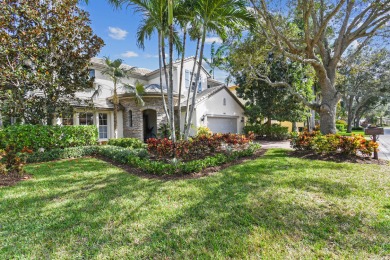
(224, 101)
(130, 118)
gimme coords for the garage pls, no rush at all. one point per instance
(222, 124)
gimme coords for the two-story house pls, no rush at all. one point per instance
(215, 107)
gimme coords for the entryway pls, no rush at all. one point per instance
(149, 124)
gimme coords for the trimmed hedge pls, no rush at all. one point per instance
(274, 132)
(115, 153)
(133, 143)
(47, 137)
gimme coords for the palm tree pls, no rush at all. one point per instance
(216, 57)
(156, 14)
(115, 71)
(218, 17)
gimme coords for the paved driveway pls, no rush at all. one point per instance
(384, 147)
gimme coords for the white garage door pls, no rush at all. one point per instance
(222, 124)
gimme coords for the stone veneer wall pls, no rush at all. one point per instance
(137, 131)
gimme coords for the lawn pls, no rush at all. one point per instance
(273, 207)
(356, 132)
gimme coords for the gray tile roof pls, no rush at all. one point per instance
(141, 71)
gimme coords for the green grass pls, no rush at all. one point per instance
(274, 207)
(356, 132)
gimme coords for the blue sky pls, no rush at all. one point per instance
(118, 29)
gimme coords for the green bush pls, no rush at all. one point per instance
(340, 127)
(274, 132)
(58, 153)
(333, 143)
(357, 128)
(115, 153)
(341, 122)
(47, 137)
(132, 143)
(120, 154)
(176, 167)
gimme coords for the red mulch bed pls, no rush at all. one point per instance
(206, 172)
(337, 158)
(12, 179)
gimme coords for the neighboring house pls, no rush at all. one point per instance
(215, 107)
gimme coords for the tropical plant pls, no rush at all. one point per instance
(219, 17)
(116, 72)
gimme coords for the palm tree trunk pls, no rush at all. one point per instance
(166, 78)
(171, 102)
(181, 77)
(160, 68)
(115, 112)
(187, 124)
(197, 78)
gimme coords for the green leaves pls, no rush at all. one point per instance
(44, 57)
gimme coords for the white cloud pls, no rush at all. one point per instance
(151, 56)
(129, 54)
(117, 33)
(210, 40)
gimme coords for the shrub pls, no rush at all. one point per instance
(274, 132)
(115, 153)
(303, 141)
(197, 147)
(58, 153)
(204, 130)
(47, 137)
(177, 167)
(12, 160)
(333, 143)
(341, 122)
(358, 128)
(340, 127)
(132, 143)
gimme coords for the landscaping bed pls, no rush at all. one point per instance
(277, 207)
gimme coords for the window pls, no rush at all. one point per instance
(188, 79)
(86, 119)
(67, 119)
(103, 126)
(224, 101)
(130, 118)
(91, 73)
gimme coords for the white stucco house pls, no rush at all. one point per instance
(216, 107)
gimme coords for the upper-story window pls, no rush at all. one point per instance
(224, 101)
(188, 79)
(91, 73)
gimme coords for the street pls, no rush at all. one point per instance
(384, 147)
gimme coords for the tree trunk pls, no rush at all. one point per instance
(160, 39)
(166, 77)
(197, 78)
(187, 124)
(171, 102)
(181, 79)
(115, 112)
(351, 114)
(330, 98)
(269, 122)
(294, 127)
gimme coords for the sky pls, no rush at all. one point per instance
(118, 29)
